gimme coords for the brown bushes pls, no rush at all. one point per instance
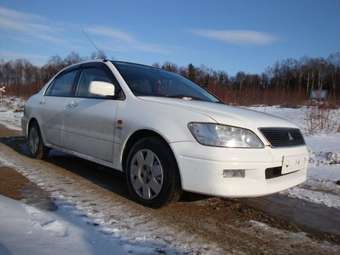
(321, 118)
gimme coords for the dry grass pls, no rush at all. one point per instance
(321, 119)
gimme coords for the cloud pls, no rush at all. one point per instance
(118, 40)
(13, 14)
(239, 37)
(111, 33)
(27, 27)
(27, 24)
(35, 58)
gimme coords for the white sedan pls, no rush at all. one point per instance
(166, 133)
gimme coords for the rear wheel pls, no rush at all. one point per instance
(35, 143)
(152, 173)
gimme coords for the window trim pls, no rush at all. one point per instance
(73, 69)
(110, 75)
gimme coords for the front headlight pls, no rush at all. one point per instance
(224, 136)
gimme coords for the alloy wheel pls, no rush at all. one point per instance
(146, 174)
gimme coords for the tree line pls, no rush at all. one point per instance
(289, 81)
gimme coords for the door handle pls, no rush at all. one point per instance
(72, 104)
(42, 102)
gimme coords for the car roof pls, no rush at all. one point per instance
(98, 61)
(106, 60)
(132, 63)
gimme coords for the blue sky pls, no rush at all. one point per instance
(224, 35)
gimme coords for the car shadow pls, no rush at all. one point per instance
(102, 176)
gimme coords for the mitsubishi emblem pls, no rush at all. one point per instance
(290, 137)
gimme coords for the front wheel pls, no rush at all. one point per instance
(35, 143)
(152, 173)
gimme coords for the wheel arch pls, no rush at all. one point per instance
(144, 133)
(30, 122)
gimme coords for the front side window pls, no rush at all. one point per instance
(62, 85)
(149, 81)
(86, 77)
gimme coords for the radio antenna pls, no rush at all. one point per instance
(100, 52)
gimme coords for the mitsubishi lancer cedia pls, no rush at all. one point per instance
(164, 132)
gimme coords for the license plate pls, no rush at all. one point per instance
(293, 163)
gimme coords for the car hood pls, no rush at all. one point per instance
(225, 114)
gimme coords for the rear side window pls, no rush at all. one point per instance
(87, 76)
(62, 85)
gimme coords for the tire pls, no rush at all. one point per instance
(150, 162)
(35, 143)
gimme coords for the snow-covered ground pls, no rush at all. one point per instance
(30, 226)
(11, 111)
(58, 232)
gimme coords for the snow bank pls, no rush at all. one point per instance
(25, 230)
(29, 231)
(324, 198)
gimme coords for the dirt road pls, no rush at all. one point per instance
(196, 225)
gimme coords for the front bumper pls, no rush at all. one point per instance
(201, 169)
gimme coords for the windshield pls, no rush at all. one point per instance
(149, 81)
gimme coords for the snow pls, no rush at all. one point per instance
(318, 197)
(46, 222)
(326, 173)
(11, 112)
(329, 142)
(293, 237)
(40, 232)
(61, 231)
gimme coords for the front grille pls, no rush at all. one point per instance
(283, 137)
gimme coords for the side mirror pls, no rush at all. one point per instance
(102, 88)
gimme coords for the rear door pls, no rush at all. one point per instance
(54, 103)
(89, 121)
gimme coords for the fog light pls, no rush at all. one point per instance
(234, 173)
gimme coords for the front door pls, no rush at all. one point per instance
(89, 120)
